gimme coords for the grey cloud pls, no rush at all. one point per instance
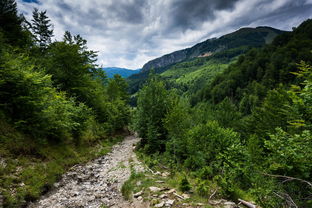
(128, 33)
(189, 14)
(128, 12)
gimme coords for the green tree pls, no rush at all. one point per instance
(42, 28)
(177, 122)
(117, 88)
(11, 24)
(152, 108)
(33, 105)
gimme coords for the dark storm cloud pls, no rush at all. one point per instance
(130, 12)
(188, 14)
(128, 33)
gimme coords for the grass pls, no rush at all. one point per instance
(142, 181)
(156, 163)
(136, 183)
(188, 72)
(28, 169)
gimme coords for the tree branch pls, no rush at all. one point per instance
(288, 178)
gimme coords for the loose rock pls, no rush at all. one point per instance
(96, 183)
(169, 202)
(138, 194)
(161, 204)
(154, 189)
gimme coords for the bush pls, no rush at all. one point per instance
(184, 185)
(33, 104)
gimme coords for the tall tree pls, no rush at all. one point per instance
(11, 23)
(41, 27)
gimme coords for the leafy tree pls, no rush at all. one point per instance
(151, 110)
(177, 122)
(117, 88)
(33, 105)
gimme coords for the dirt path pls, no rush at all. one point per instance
(96, 183)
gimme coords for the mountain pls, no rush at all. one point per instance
(200, 63)
(253, 37)
(111, 71)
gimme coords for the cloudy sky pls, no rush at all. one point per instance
(128, 33)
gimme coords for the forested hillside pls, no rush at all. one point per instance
(246, 133)
(217, 51)
(56, 107)
(124, 73)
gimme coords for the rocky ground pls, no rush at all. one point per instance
(97, 183)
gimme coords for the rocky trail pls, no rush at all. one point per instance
(96, 183)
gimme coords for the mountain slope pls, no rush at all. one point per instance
(199, 62)
(246, 133)
(254, 37)
(111, 71)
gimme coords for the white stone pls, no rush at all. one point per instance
(161, 204)
(165, 174)
(171, 191)
(186, 196)
(138, 194)
(170, 202)
(229, 205)
(154, 189)
(163, 196)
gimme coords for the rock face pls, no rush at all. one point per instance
(166, 60)
(253, 37)
(96, 183)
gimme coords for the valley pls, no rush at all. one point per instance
(223, 120)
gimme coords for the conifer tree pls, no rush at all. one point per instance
(11, 22)
(41, 27)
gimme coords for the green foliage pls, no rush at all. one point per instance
(12, 24)
(177, 121)
(247, 133)
(268, 67)
(185, 185)
(206, 142)
(33, 105)
(153, 104)
(130, 185)
(41, 28)
(192, 68)
(290, 154)
(56, 107)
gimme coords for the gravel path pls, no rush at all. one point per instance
(96, 183)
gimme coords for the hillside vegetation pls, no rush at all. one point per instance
(220, 50)
(56, 107)
(124, 73)
(245, 133)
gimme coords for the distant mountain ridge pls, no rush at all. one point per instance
(123, 72)
(254, 37)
